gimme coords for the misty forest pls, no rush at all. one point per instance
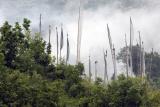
(35, 72)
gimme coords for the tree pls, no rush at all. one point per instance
(126, 92)
(9, 44)
(151, 61)
(135, 58)
(12, 40)
(26, 24)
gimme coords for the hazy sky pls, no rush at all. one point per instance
(95, 16)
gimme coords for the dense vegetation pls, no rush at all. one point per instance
(152, 64)
(29, 77)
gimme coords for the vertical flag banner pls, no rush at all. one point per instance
(105, 70)
(57, 44)
(49, 34)
(49, 44)
(61, 42)
(40, 24)
(131, 44)
(68, 49)
(79, 35)
(112, 52)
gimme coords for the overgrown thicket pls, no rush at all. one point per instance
(29, 77)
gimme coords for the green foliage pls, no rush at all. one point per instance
(22, 52)
(26, 24)
(153, 67)
(19, 89)
(9, 43)
(126, 92)
(151, 62)
(135, 58)
(29, 77)
(49, 48)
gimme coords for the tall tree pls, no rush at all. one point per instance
(12, 38)
(135, 58)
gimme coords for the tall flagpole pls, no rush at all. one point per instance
(127, 65)
(57, 44)
(79, 35)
